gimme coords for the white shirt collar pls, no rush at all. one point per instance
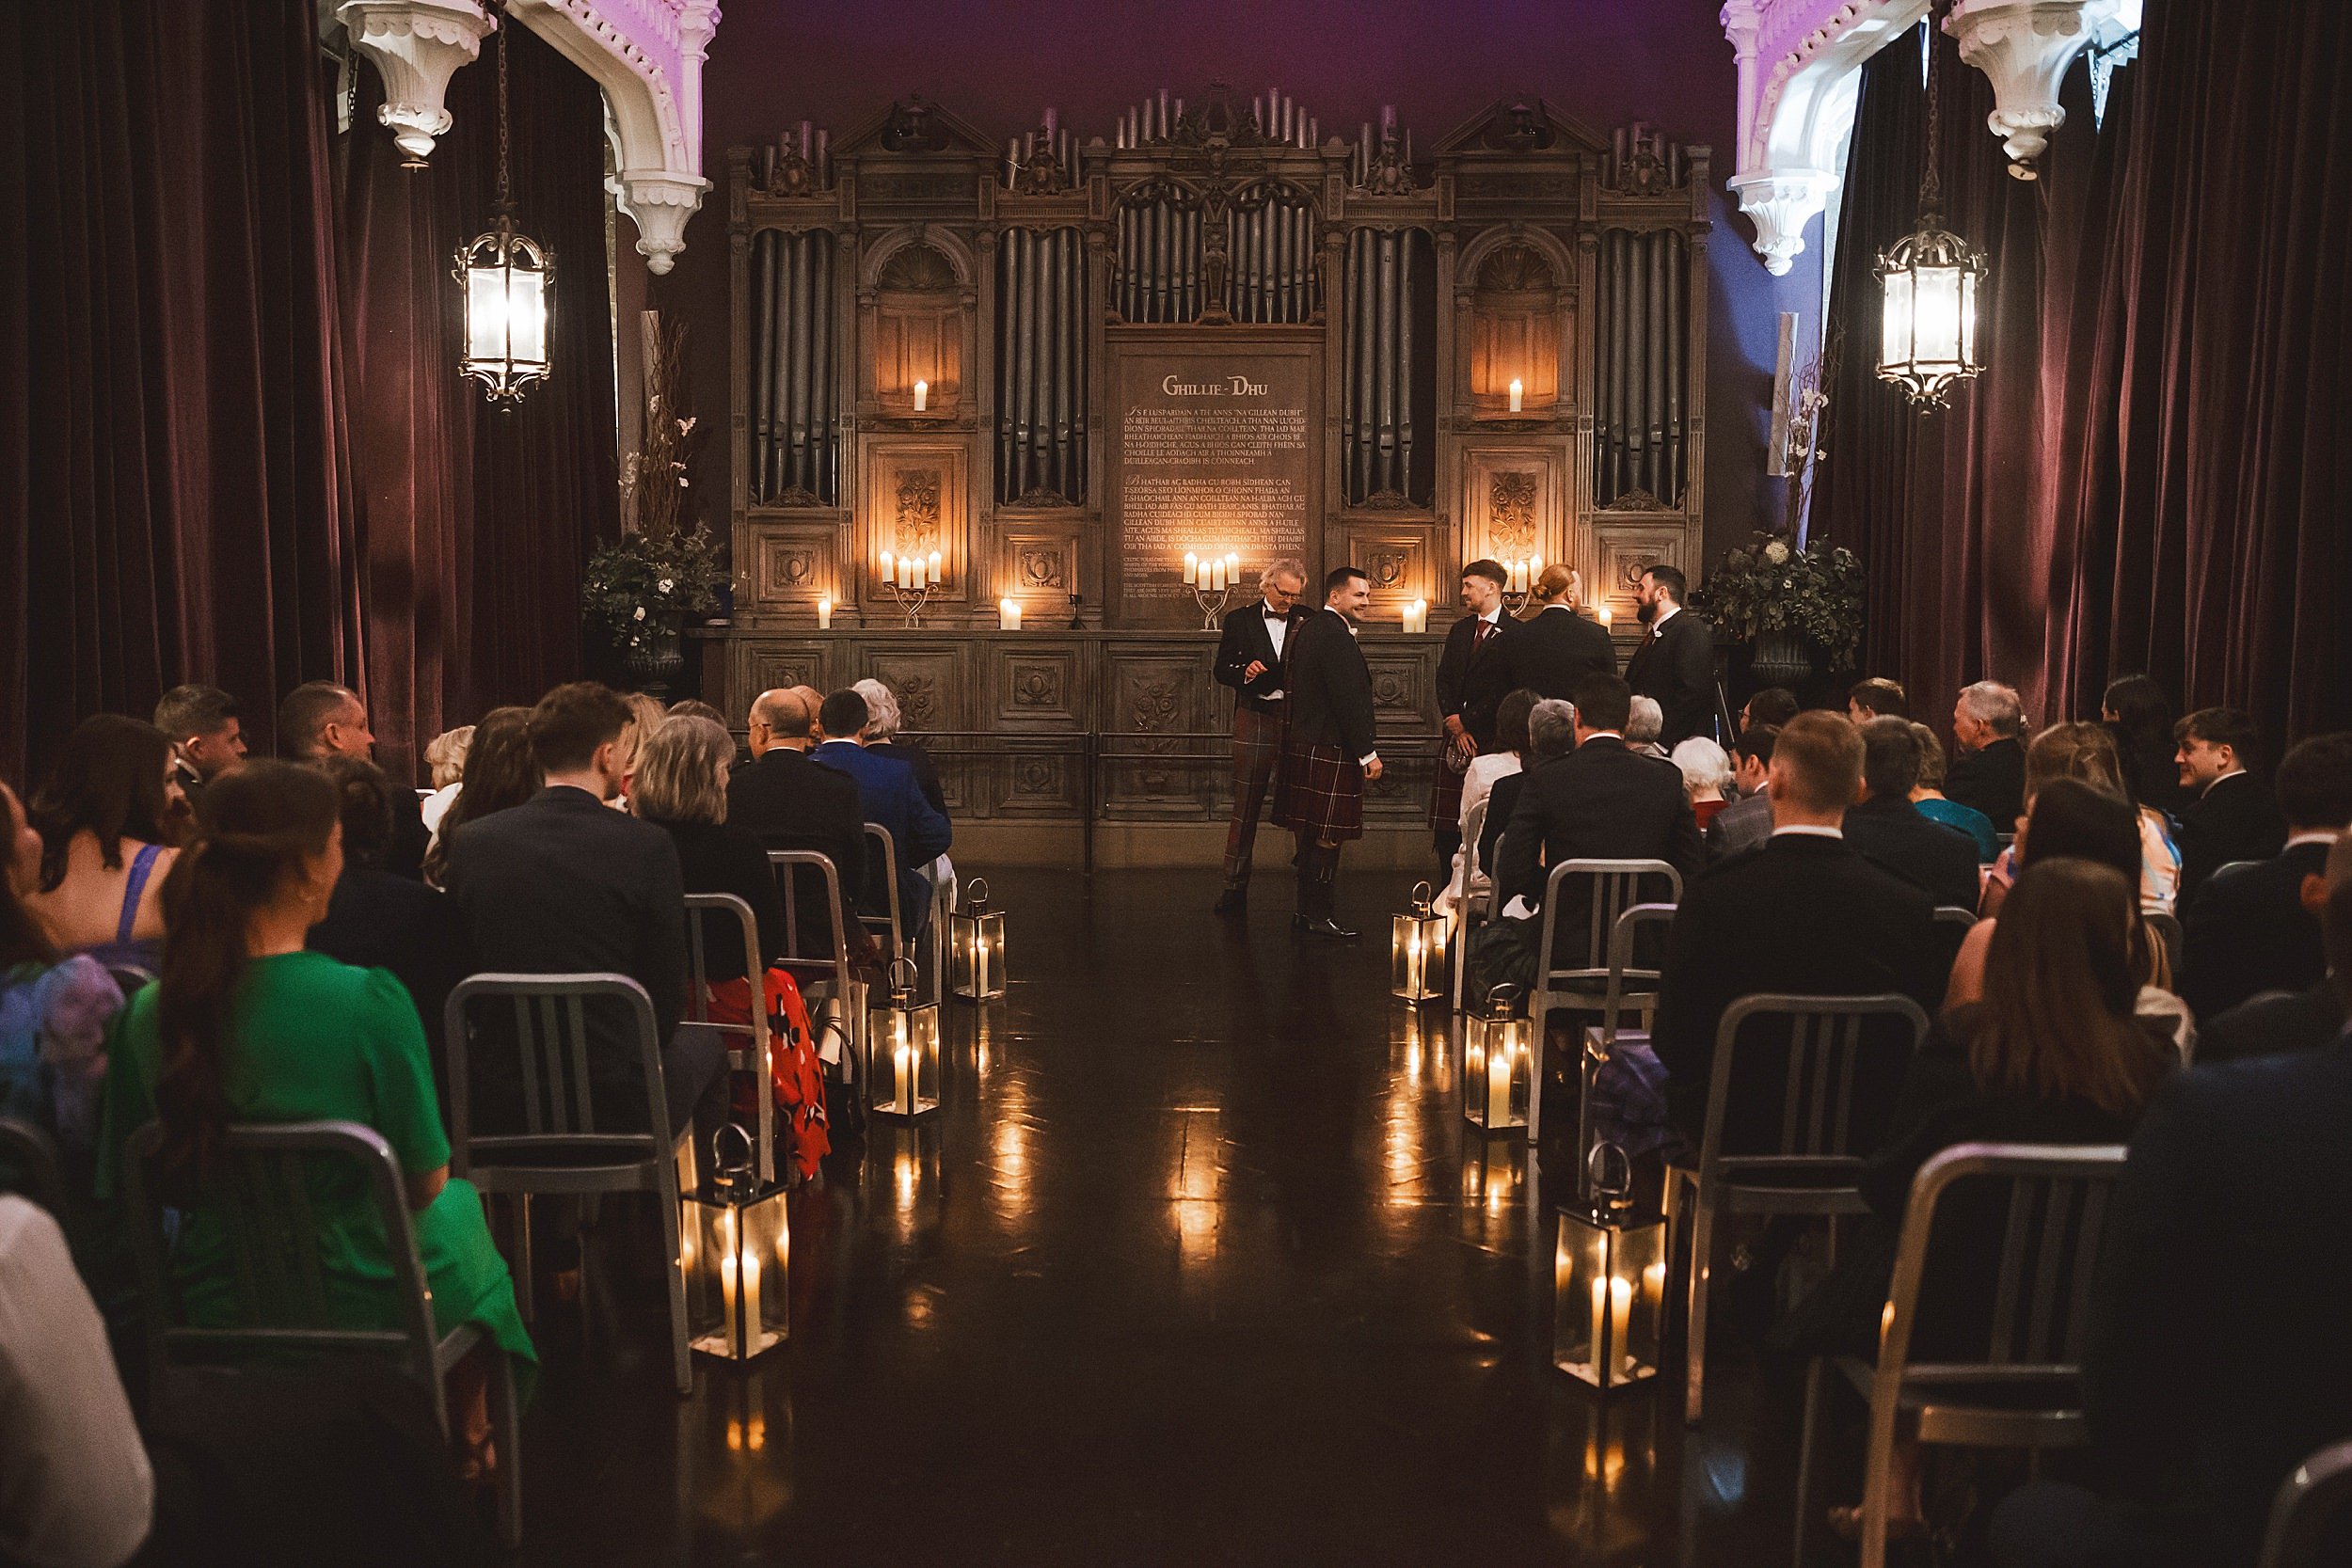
(1665, 612)
(1806, 829)
(1493, 617)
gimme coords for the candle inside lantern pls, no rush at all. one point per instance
(1620, 1324)
(1518, 395)
(1008, 613)
(1498, 1087)
(824, 612)
(979, 966)
(1600, 1329)
(923, 396)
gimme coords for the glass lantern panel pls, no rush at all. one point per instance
(977, 955)
(902, 1060)
(527, 315)
(486, 314)
(1936, 322)
(1609, 1297)
(1417, 966)
(1495, 1072)
(764, 1233)
(1968, 318)
(1895, 349)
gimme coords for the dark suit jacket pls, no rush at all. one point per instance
(405, 855)
(891, 798)
(1677, 667)
(2272, 1025)
(1473, 679)
(1803, 916)
(2217, 1358)
(1992, 781)
(1246, 641)
(1940, 860)
(1331, 687)
(564, 884)
(2247, 932)
(1601, 801)
(1557, 649)
(1745, 824)
(377, 920)
(720, 857)
(926, 771)
(2236, 819)
(786, 802)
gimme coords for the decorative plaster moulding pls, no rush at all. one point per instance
(416, 47)
(2027, 47)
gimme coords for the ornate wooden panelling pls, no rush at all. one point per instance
(1398, 553)
(1037, 686)
(1034, 784)
(1150, 693)
(915, 498)
(1623, 544)
(1036, 562)
(762, 665)
(1514, 501)
(793, 562)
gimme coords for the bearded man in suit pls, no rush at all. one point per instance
(1675, 665)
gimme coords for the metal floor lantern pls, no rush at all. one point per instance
(736, 1252)
(1498, 1067)
(1609, 1281)
(902, 1050)
(1932, 278)
(976, 945)
(1416, 956)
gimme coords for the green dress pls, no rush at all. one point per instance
(312, 1039)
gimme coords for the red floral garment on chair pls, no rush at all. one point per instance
(799, 1077)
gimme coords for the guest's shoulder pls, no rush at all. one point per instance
(2270, 1088)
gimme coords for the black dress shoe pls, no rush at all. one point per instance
(1232, 900)
(1326, 929)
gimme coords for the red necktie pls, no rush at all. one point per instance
(1485, 628)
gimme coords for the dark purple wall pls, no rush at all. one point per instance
(1606, 62)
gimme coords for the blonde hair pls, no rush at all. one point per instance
(681, 773)
(446, 755)
(645, 715)
(2075, 750)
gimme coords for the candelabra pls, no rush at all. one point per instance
(1211, 579)
(911, 579)
(1519, 579)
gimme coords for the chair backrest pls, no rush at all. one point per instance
(1473, 828)
(1624, 941)
(2168, 930)
(784, 863)
(1952, 914)
(130, 979)
(261, 1192)
(2308, 1504)
(1616, 886)
(30, 1165)
(878, 834)
(723, 924)
(1835, 1093)
(549, 1040)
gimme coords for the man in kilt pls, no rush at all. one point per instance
(1249, 658)
(1329, 751)
(1473, 676)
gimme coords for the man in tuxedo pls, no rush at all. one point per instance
(563, 884)
(787, 801)
(1604, 800)
(1747, 822)
(1876, 698)
(1553, 653)
(1886, 827)
(207, 731)
(1807, 915)
(1676, 662)
(889, 794)
(1987, 772)
(1249, 659)
(1331, 751)
(2255, 926)
(319, 720)
(1474, 674)
(2234, 818)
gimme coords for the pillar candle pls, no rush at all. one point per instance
(889, 567)
(824, 614)
(1620, 1323)
(1008, 613)
(1192, 568)
(922, 396)
(930, 571)
(1602, 611)
(1517, 394)
(1600, 1329)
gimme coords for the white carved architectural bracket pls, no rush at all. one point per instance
(2027, 47)
(416, 47)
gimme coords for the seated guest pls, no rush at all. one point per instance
(1989, 774)
(645, 715)
(682, 789)
(1507, 757)
(319, 720)
(1705, 774)
(2052, 1056)
(2234, 818)
(2281, 1021)
(690, 707)
(375, 920)
(2229, 1234)
(103, 814)
(1551, 736)
(1773, 707)
(786, 802)
(1885, 825)
(502, 772)
(2139, 713)
(1876, 698)
(888, 796)
(2254, 926)
(1555, 647)
(53, 1013)
(245, 1026)
(1747, 822)
(1601, 801)
(445, 753)
(1928, 795)
(1805, 915)
(2087, 752)
(562, 885)
(882, 737)
(1645, 721)
(206, 728)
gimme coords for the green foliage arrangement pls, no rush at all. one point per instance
(638, 585)
(1773, 585)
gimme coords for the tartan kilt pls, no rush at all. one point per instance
(1257, 743)
(1445, 792)
(1321, 792)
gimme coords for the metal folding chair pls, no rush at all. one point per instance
(1473, 909)
(29, 1163)
(2025, 1392)
(2168, 930)
(747, 1050)
(1601, 1038)
(260, 1192)
(2308, 1503)
(843, 988)
(892, 926)
(560, 1150)
(1822, 1135)
(1617, 885)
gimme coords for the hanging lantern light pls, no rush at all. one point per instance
(976, 945)
(1609, 1281)
(507, 279)
(1498, 1072)
(902, 1051)
(1931, 278)
(1417, 967)
(735, 1246)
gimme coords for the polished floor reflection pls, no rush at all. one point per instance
(1200, 1265)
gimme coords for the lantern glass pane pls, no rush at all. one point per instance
(1609, 1297)
(526, 314)
(1495, 1072)
(1896, 335)
(485, 312)
(1417, 961)
(902, 1059)
(1936, 321)
(975, 954)
(765, 1232)
(735, 1259)
(1968, 319)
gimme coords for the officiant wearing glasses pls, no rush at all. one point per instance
(1249, 659)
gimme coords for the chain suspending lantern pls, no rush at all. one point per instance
(1932, 278)
(508, 282)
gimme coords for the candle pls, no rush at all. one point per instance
(1192, 568)
(1498, 1087)
(824, 612)
(931, 572)
(1620, 1321)
(890, 570)
(1008, 613)
(1232, 568)
(1518, 395)
(979, 968)
(1535, 570)
(902, 1086)
(922, 396)
(1216, 578)
(1600, 1330)
(1603, 612)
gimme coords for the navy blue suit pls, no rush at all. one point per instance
(892, 798)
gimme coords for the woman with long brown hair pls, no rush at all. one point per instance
(244, 1025)
(109, 815)
(500, 772)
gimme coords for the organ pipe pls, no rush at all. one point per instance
(1644, 365)
(1041, 363)
(796, 424)
(1385, 429)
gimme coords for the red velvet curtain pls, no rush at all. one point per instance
(175, 482)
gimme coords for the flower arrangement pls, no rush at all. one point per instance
(1778, 585)
(653, 578)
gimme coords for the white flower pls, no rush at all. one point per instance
(1777, 551)
(641, 612)
(661, 587)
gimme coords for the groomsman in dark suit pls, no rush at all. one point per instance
(2234, 818)
(1675, 665)
(1473, 676)
(2255, 926)
(1249, 659)
(1329, 753)
(1558, 647)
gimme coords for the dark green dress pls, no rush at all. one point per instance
(317, 1040)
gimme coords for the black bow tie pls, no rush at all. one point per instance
(1278, 614)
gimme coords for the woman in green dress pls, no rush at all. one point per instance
(244, 1026)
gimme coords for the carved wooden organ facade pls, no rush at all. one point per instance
(942, 345)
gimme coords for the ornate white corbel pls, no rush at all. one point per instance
(416, 47)
(2026, 47)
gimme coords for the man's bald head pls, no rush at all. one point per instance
(779, 718)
